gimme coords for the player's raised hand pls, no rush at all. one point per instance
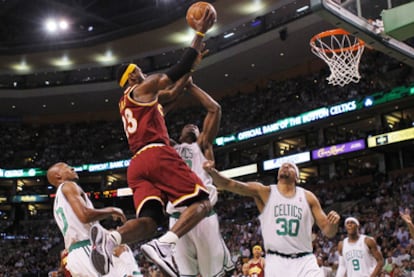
(205, 22)
(405, 215)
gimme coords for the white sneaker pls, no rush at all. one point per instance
(161, 254)
(102, 246)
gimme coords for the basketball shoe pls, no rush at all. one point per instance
(102, 248)
(161, 254)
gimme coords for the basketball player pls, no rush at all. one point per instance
(156, 173)
(257, 263)
(287, 214)
(358, 254)
(194, 252)
(74, 214)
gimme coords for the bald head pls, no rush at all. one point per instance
(289, 171)
(61, 172)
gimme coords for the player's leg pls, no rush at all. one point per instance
(214, 258)
(148, 202)
(124, 263)
(78, 263)
(185, 254)
(173, 177)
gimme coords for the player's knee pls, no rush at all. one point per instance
(205, 206)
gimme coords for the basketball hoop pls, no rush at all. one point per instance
(342, 51)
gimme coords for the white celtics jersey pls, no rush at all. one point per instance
(194, 158)
(73, 230)
(287, 223)
(359, 261)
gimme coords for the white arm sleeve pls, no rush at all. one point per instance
(341, 267)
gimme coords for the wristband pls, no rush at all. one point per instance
(200, 34)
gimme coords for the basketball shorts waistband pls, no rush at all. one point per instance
(289, 256)
(151, 145)
(79, 244)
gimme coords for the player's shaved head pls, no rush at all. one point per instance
(53, 173)
(61, 172)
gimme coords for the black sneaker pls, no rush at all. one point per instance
(161, 254)
(102, 246)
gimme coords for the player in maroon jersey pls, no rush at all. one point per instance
(156, 173)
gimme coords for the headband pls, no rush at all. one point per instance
(352, 219)
(257, 247)
(131, 67)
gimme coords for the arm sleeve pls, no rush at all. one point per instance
(183, 66)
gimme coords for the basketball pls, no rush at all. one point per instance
(196, 12)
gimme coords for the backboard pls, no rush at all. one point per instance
(365, 19)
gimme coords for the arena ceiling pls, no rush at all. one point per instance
(138, 28)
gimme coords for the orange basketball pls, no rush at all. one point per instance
(197, 10)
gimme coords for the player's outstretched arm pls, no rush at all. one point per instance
(252, 189)
(405, 215)
(191, 54)
(211, 121)
(84, 213)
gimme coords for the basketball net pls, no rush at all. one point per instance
(342, 52)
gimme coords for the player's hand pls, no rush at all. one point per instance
(405, 215)
(118, 214)
(333, 218)
(204, 23)
(208, 165)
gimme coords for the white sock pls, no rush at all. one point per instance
(116, 237)
(169, 237)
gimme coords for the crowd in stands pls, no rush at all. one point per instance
(30, 145)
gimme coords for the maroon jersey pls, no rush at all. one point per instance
(256, 268)
(143, 122)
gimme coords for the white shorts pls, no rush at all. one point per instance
(306, 266)
(79, 264)
(125, 265)
(202, 250)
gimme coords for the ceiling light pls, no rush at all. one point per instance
(252, 7)
(106, 58)
(51, 25)
(22, 66)
(63, 24)
(62, 62)
(228, 35)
